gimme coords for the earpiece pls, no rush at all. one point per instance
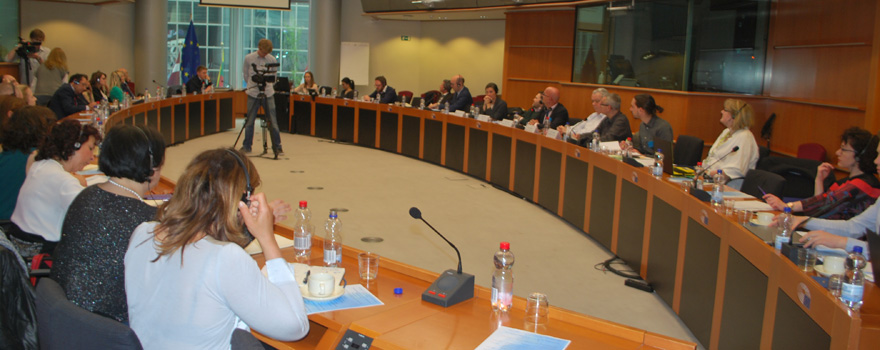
(77, 145)
(149, 149)
(246, 197)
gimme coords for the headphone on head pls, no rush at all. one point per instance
(246, 197)
(77, 145)
(149, 148)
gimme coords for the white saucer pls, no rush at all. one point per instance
(338, 292)
(754, 221)
(821, 270)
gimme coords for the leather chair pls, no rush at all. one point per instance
(63, 325)
(407, 94)
(799, 174)
(756, 180)
(18, 323)
(431, 96)
(812, 151)
(688, 150)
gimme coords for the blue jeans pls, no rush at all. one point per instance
(252, 108)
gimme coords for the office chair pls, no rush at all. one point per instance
(18, 323)
(407, 94)
(688, 150)
(756, 180)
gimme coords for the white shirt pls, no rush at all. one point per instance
(45, 195)
(588, 125)
(737, 164)
(248, 72)
(197, 305)
(853, 228)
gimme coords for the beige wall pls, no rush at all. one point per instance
(436, 50)
(93, 37)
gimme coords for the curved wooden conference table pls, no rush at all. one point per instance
(731, 289)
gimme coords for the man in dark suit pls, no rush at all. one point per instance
(462, 99)
(384, 93)
(615, 127)
(555, 112)
(195, 84)
(68, 99)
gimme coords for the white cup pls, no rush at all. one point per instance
(321, 285)
(765, 218)
(833, 264)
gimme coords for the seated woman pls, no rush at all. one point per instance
(494, 106)
(51, 184)
(188, 281)
(537, 110)
(99, 91)
(736, 116)
(95, 233)
(308, 84)
(348, 89)
(27, 94)
(849, 196)
(116, 90)
(21, 134)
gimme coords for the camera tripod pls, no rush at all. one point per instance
(262, 100)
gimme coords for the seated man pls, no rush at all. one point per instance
(445, 95)
(555, 113)
(615, 127)
(578, 134)
(462, 100)
(68, 99)
(652, 127)
(199, 82)
(384, 93)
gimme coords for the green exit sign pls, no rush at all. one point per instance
(404, 38)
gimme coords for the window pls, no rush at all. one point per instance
(288, 30)
(715, 46)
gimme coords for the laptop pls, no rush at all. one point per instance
(874, 250)
(415, 102)
(666, 147)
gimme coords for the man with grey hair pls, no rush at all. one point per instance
(616, 126)
(578, 133)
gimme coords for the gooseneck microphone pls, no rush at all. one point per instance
(705, 169)
(451, 287)
(417, 214)
(160, 85)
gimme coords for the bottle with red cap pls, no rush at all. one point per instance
(502, 279)
(302, 233)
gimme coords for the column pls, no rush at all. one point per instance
(150, 48)
(324, 22)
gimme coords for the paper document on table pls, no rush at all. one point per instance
(645, 161)
(356, 296)
(736, 195)
(752, 205)
(516, 339)
(255, 248)
(610, 145)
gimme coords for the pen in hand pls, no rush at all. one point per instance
(762, 190)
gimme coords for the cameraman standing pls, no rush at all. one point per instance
(36, 55)
(259, 60)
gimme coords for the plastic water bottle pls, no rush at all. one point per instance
(718, 190)
(302, 233)
(502, 279)
(546, 124)
(629, 146)
(333, 240)
(595, 144)
(334, 92)
(446, 108)
(355, 94)
(853, 280)
(784, 235)
(657, 171)
(698, 181)
(422, 104)
(146, 95)
(159, 93)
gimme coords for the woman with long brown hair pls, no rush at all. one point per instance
(189, 283)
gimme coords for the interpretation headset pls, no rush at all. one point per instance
(867, 145)
(246, 197)
(149, 149)
(77, 145)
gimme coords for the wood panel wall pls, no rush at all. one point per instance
(821, 73)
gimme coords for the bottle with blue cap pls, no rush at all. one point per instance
(718, 190)
(853, 287)
(333, 240)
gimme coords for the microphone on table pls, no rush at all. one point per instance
(160, 85)
(452, 287)
(699, 192)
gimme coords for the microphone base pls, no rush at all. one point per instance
(450, 288)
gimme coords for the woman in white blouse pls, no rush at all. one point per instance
(736, 116)
(188, 281)
(308, 84)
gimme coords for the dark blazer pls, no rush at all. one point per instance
(65, 102)
(349, 95)
(498, 111)
(461, 101)
(447, 98)
(557, 118)
(614, 128)
(194, 85)
(389, 96)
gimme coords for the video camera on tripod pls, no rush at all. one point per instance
(265, 76)
(27, 47)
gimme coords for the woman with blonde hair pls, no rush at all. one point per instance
(50, 76)
(116, 81)
(737, 117)
(308, 84)
(188, 281)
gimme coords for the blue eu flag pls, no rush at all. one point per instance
(190, 59)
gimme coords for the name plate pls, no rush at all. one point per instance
(484, 118)
(507, 122)
(532, 128)
(553, 134)
(458, 113)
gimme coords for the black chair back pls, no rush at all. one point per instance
(63, 325)
(688, 150)
(756, 180)
(325, 90)
(573, 121)
(18, 323)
